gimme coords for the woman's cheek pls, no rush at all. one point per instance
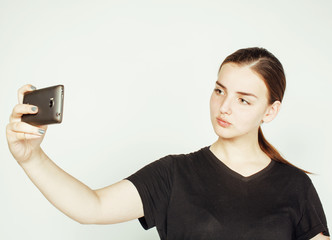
(246, 118)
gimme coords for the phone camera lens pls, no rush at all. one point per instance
(51, 102)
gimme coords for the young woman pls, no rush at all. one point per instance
(237, 188)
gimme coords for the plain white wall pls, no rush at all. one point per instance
(138, 76)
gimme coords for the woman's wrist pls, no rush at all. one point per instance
(37, 157)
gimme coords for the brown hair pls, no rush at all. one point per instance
(272, 73)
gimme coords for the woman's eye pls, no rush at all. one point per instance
(244, 101)
(219, 91)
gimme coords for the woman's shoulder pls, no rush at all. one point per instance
(189, 155)
(292, 174)
(183, 160)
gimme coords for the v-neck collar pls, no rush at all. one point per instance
(236, 174)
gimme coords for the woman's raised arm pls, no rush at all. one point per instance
(116, 203)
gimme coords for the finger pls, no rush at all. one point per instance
(25, 136)
(21, 109)
(43, 127)
(22, 128)
(24, 89)
(31, 136)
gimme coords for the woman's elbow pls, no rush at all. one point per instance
(320, 236)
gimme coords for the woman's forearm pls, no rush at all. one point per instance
(65, 192)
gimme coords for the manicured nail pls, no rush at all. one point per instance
(33, 87)
(34, 109)
(41, 131)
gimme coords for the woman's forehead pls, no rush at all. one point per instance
(241, 79)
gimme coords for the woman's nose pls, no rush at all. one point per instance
(225, 106)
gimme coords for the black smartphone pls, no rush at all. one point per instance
(50, 105)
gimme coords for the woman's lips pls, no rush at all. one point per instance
(223, 123)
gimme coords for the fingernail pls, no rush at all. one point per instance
(33, 87)
(41, 131)
(34, 109)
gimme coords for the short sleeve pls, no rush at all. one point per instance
(153, 183)
(313, 220)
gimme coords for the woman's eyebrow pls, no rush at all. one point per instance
(242, 93)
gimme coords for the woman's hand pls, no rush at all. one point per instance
(24, 139)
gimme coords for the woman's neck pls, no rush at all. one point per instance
(239, 150)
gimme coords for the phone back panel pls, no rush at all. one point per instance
(50, 105)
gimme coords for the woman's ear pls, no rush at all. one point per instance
(271, 111)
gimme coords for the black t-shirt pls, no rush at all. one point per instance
(196, 196)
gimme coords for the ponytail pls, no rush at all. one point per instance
(273, 153)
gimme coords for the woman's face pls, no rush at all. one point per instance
(239, 102)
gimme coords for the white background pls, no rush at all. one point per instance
(138, 76)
